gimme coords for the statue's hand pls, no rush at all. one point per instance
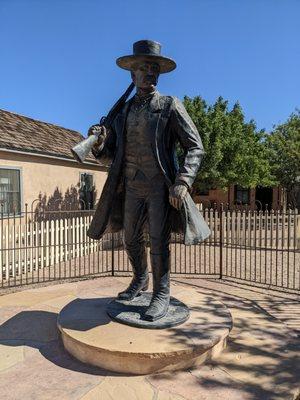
(177, 193)
(100, 131)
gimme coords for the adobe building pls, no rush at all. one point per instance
(259, 198)
(37, 167)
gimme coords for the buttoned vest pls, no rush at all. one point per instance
(139, 155)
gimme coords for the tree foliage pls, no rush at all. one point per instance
(235, 152)
(283, 146)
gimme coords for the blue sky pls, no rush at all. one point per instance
(58, 56)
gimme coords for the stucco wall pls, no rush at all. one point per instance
(49, 176)
(218, 196)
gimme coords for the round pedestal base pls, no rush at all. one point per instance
(90, 335)
(132, 312)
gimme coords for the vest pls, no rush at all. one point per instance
(139, 155)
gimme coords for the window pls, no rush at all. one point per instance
(10, 193)
(87, 191)
(203, 192)
(241, 195)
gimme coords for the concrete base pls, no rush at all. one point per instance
(91, 336)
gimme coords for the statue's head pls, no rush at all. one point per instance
(145, 75)
(146, 63)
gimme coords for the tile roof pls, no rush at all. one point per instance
(29, 135)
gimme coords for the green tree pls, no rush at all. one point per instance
(283, 145)
(235, 152)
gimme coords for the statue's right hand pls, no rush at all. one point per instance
(100, 131)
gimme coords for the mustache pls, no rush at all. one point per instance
(150, 78)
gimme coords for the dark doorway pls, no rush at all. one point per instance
(263, 198)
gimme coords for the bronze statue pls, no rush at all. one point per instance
(146, 188)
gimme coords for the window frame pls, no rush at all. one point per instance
(20, 169)
(238, 188)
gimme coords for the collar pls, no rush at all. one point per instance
(155, 105)
(138, 98)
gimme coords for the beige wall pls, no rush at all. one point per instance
(44, 175)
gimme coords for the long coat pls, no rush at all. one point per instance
(171, 124)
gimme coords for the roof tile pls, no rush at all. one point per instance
(18, 132)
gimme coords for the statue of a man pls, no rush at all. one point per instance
(145, 185)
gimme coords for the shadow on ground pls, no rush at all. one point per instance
(262, 357)
(38, 329)
(261, 361)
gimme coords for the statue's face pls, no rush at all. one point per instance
(145, 75)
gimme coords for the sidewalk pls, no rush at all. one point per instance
(261, 361)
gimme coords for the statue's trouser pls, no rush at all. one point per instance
(148, 201)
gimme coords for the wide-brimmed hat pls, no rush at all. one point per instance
(146, 50)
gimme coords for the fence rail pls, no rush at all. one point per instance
(256, 247)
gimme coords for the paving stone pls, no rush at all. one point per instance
(123, 388)
(214, 385)
(7, 312)
(104, 283)
(260, 363)
(47, 375)
(59, 302)
(168, 396)
(100, 289)
(30, 326)
(10, 356)
(31, 297)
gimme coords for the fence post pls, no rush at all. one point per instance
(297, 230)
(221, 239)
(112, 254)
(1, 242)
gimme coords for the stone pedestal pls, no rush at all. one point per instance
(90, 335)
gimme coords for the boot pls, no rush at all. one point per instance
(140, 280)
(159, 304)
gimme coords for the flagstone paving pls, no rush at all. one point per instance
(261, 361)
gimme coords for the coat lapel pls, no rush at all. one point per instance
(159, 123)
(157, 108)
(155, 104)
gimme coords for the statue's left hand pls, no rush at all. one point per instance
(177, 193)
